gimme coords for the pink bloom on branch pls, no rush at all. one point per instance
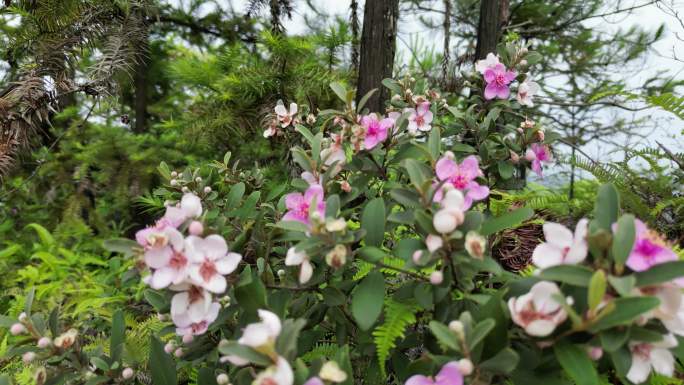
(192, 311)
(526, 90)
(285, 117)
(538, 154)
(299, 205)
(462, 177)
(538, 312)
(649, 249)
(647, 356)
(375, 130)
(210, 262)
(498, 79)
(490, 62)
(314, 381)
(420, 118)
(186, 327)
(448, 375)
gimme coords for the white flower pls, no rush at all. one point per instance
(285, 117)
(210, 261)
(475, 244)
(281, 374)
(537, 311)
(420, 118)
(191, 205)
(451, 215)
(561, 247)
(161, 245)
(647, 356)
(330, 371)
(526, 90)
(261, 334)
(671, 309)
(434, 242)
(299, 258)
(482, 65)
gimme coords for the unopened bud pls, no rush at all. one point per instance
(436, 277)
(515, 158)
(540, 135)
(44, 342)
(337, 257)
(595, 352)
(417, 256)
(198, 179)
(28, 357)
(178, 353)
(188, 338)
(345, 186)
(207, 190)
(465, 366)
(169, 347)
(17, 329)
(524, 50)
(222, 379)
(174, 174)
(311, 119)
(23, 317)
(196, 228)
(127, 373)
(281, 273)
(174, 182)
(396, 98)
(523, 62)
(185, 189)
(457, 327)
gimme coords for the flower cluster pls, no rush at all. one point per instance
(498, 79)
(194, 266)
(283, 118)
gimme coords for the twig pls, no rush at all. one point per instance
(671, 155)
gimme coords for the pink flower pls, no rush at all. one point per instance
(190, 207)
(210, 262)
(334, 154)
(448, 375)
(314, 381)
(174, 272)
(420, 118)
(375, 130)
(537, 311)
(462, 177)
(498, 79)
(161, 245)
(647, 356)
(538, 153)
(192, 307)
(285, 117)
(526, 90)
(649, 248)
(561, 247)
(490, 62)
(298, 205)
(279, 374)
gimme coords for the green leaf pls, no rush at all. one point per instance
(506, 221)
(444, 335)
(332, 206)
(245, 352)
(157, 300)
(625, 311)
(333, 296)
(623, 285)
(416, 173)
(607, 206)
(533, 58)
(613, 339)
(205, 376)
(339, 90)
(505, 169)
(286, 345)
(99, 363)
(503, 362)
(292, 226)
(623, 241)
(373, 221)
(235, 195)
(305, 133)
(372, 254)
(392, 85)
(576, 363)
(120, 245)
(364, 99)
(660, 273)
(367, 300)
(434, 142)
(597, 289)
(572, 274)
(162, 367)
(480, 331)
(117, 339)
(28, 303)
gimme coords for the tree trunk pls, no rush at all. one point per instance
(493, 15)
(354, 21)
(447, 41)
(140, 79)
(378, 45)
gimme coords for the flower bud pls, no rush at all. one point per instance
(281, 273)
(311, 119)
(434, 242)
(436, 277)
(196, 228)
(65, 340)
(174, 174)
(446, 220)
(207, 190)
(23, 317)
(539, 135)
(345, 186)
(457, 327)
(179, 353)
(44, 342)
(524, 51)
(198, 179)
(417, 257)
(185, 189)
(465, 366)
(523, 62)
(449, 155)
(17, 329)
(169, 347)
(330, 371)
(222, 379)
(396, 98)
(595, 352)
(173, 182)
(28, 357)
(188, 338)
(127, 373)
(335, 225)
(515, 158)
(337, 257)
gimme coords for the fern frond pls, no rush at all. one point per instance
(398, 316)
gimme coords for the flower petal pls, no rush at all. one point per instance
(271, 321)
(557, 235)
(445, 168)
(228, 264)
(546, 255)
